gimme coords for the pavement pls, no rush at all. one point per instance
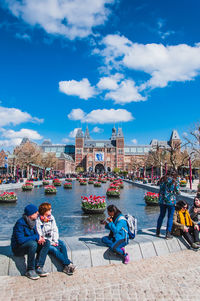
(171, 277)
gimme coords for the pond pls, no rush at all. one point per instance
(66, 206)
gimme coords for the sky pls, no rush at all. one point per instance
(67, 64)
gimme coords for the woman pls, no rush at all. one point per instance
(185, 226)
(169, 187)
(118, 237)
(47, 228)
(195, 210)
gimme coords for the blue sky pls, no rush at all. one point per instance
(66, 64)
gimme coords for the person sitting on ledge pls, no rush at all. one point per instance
(118, 237)
(47, 228)
(26, 240)
(185, 226)
(195, 210)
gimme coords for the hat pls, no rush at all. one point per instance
(30, 209)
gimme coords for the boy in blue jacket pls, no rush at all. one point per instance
(118, 237)
(26, 240)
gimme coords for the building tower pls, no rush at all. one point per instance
(120, 149)
(79, 145)
(87, 134)
(175, 141)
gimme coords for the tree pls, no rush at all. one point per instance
(27, 154)
(48, 161)
(116, 170)
(157, 158)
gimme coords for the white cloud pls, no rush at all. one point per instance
(109, 82)
(73, 133)
(125, 93)
(15, 116)
(65, 140)
(68, 18)
(23, 36)
(82, 88)
(76, 114)
(134, 141)
(31, 134)
(106, 116)
(163, 63)
(96, 129)
(11, 142)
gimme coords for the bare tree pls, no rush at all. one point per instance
(49, 160)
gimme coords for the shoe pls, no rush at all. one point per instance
(31, 274)
(197, 243)
(126, 259)
(195, 246)
(157, 232)
(41, 272)
(72, 267)
(168, 236)
(68, 269)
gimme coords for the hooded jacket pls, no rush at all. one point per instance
(117, 227)
(22, 233)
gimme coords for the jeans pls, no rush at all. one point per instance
(191, 236)
(163, 209)
(30, 248)
(60, 252)
(115, 245)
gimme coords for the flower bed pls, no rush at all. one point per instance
(8, 197)
(67, 185)
(113, 192)
(27, 186)
(93, 204)
(90, 181)
(45, 182)
(119, 183)
(183, 183)
(29, 183)
(83, 182)
(151, 198)
(97, 184)
(68, 180)
(56, 182)
(103, 180)
(50, 189)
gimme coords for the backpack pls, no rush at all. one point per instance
(132, 225)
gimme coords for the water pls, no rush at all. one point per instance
(66, 205)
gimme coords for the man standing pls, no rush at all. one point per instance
(26, 240)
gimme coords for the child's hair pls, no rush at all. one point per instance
(44, 207)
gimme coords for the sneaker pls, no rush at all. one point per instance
(68, 270)
(168, 235)
(197, 243)
(41, 272)
(195, 246)
(31, 274)
(126, 259)
(157, 232)
(72, 267)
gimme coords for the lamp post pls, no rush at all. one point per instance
(190, 173)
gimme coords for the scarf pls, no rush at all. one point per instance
(45, 219)
(185, 219)
(31, 223)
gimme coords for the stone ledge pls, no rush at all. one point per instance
(88, 251)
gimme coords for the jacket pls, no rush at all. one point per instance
(177, 227)
(168, 191)
(194, 216)
(22, 233)
(119, 228)
(48, 230)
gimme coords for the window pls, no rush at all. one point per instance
(99, 144)
(146, 149)
(120, 151)
(126, 150)
(91, 150)
(108, 150)
(140, 150)
(133, 149)
(47, 149)
(79, 151)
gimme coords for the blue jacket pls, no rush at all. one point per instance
(116, 228)
(168, 191)
(22, 233)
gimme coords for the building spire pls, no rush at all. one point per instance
(87, 134)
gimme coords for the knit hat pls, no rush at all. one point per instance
(30, 209)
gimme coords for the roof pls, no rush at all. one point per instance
(79, 133)
(175, 135)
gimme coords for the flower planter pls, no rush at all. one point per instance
(45, 183)
(8, 197)
(50, 189)
(113, 193)
(97, 184)
(93, 211)
(90, 182)
(56, 182)
(67, 185)
(83, 183)
(27, 187)
(68, 180)
(151, 198)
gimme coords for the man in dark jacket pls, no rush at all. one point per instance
(26, 240)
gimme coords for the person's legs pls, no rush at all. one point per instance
(171, 210)
(117, 247)
(108, 241)
(60, 252)
(194, 233)
(29, 248)
(42, 252)
(163, 209)
(188, 237)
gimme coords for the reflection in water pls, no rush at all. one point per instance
(66, 205)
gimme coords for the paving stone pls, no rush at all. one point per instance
(173, 245)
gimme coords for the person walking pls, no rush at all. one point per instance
(118, 237)
(47, 228)
(169, 188)
(185, 226)
(26, 240)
